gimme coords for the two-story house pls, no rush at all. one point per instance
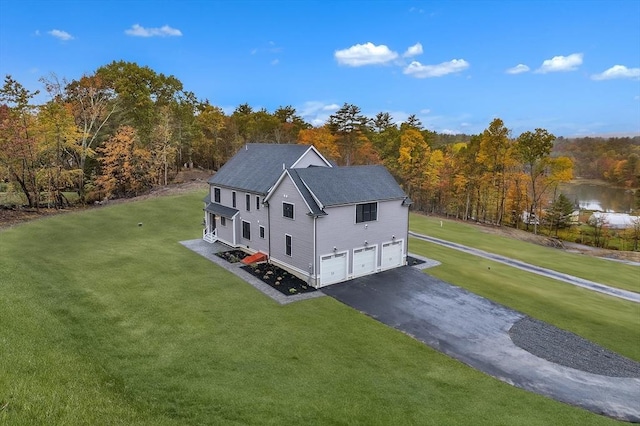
(324, 224)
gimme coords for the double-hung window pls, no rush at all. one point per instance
(216, 195)
(287, 210)
(246, 230)
(367, 212)
(247, 202)
(287, 244)
(257, 202)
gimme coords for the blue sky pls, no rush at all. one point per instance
(572, 67)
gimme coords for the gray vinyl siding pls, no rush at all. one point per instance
(257, 218)
(339, 229)
(300, 228)
(310, 159)
(225, 233)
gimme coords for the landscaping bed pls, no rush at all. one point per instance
(281, 280)
(413, 261)
(232, 256)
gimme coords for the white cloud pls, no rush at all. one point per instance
(414, 50)
(164, 31)
(275, 62)
(561, 63)
(518, 69)
(416, 69)
(425, 111)
(62, 35)
(450, 132)
(617, 71)
(317, 113)
(365, 54)
(331, 107)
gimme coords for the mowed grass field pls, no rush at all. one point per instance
(592, 268)
(103, 321)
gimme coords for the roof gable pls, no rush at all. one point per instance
(257, 167)
(349, 185)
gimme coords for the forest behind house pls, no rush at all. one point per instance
(125, 129)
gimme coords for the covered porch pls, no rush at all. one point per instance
(214, 215)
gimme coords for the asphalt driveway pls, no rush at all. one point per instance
(475, 331)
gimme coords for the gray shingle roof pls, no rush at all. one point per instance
(349, 185)
(315, 209)
(256, 167)
(221, 210)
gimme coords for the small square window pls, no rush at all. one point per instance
(262, 232)
(366, 212)
(287, 244)
(287, 210)
(216, 195)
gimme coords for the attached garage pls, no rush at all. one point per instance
(333, 268)
(364, 261)
(392, 254)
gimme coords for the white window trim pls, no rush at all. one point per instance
(355, 213)
(242, 230)
(285, 245)
(219, 193)
(262, 232)
(293, 211)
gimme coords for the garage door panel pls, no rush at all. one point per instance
(392, 255)
(333, 268)
(364, 261)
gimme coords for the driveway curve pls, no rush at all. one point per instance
(475, 330)
(550, 273)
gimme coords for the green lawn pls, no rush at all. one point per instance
(599, 270)
(106, 322)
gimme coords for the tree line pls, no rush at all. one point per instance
(125, 128)
(615, 160)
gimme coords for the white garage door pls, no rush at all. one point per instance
(333, 268)
(364, 261)
(392, 254)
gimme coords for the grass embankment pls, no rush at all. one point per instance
(591, 268)
(106, 322)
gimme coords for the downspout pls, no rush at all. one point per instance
(234, 230)
(268, 232)
(315, 249)
(406, 252)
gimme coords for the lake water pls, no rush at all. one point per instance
(592, 196)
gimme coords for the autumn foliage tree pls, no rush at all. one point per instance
(322, 139)
(57, 136)
(126, 166)
(18, 144)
